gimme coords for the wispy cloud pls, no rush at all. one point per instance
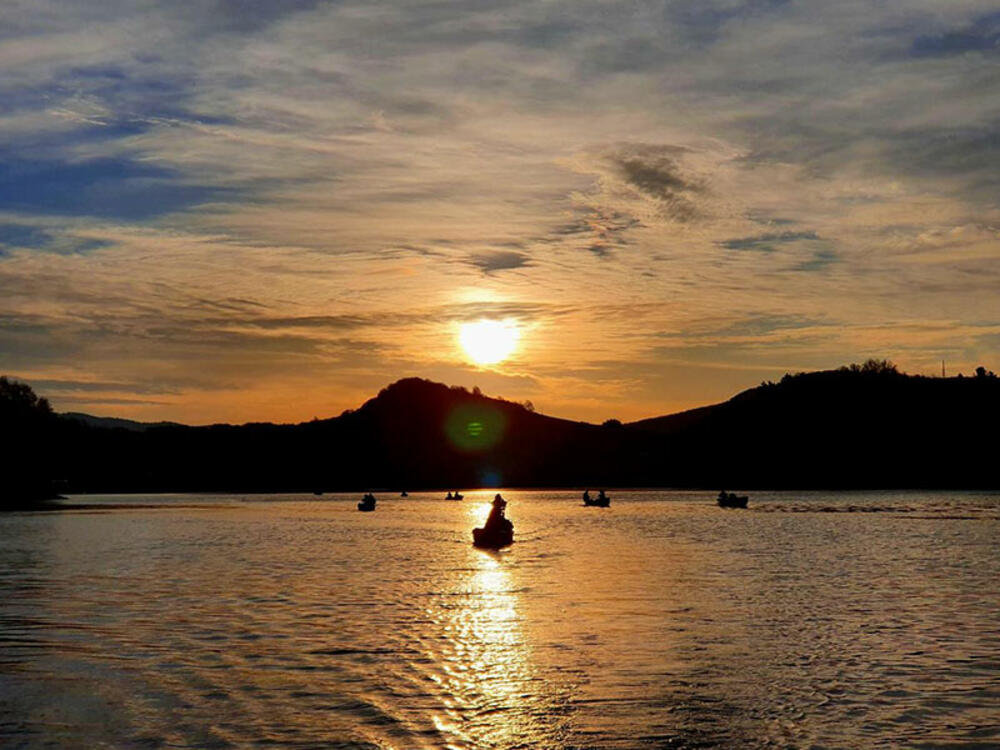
(766, 243)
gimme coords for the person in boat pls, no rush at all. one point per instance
(586, 497)
(498, 531)
(496, 518)
(449, 496)
(601, 497)
(723, 496)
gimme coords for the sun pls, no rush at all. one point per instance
(489, 341)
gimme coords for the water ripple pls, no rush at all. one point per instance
(809, 620)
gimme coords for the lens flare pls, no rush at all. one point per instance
(474, 427)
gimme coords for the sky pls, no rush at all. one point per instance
(229, 210)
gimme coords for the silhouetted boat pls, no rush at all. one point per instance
(493, 539)
(456, 496)
(498, 531)
(731, 500)
(367, 503)
(601, 501)
(404, 493)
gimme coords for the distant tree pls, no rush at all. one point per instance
(873, 366)
(17, 399)
(476, 391)
(528, 406)
(612, 423)
(880, 367)
(26, 429)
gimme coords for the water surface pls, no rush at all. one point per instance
(809, 620)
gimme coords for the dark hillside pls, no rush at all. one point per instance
(414, 434)
(863, 426)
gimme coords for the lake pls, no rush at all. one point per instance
(810, 620)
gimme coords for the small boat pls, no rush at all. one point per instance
(367, 502)
(731, 500)
(456, 496)
(404, 493)
(493, 538)
(498, 531)
(601, 501)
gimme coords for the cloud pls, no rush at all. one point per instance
(982, 35)
(92, 401)
(36, 238)
(87, 386)
(755, 325)
(819, 260)
(499, 260)
(656, 173)
(317, 193)
(766, 243)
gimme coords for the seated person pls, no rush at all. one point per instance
(496, 517)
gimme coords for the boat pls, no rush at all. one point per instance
(601, 501)
(404, 493)
(731, 500)
(498, 531)
(456, 496)
(493, 538)
(367, 502)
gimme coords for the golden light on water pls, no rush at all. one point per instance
(487, 342)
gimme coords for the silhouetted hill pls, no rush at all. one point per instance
(414, 434)
(864, 426)
(867, 425)
(115, 422)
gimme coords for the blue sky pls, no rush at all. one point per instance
(239, 210)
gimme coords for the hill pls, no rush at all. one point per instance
(413, 434)
(116, 422)
(861, 426)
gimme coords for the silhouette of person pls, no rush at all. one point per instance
(496, 516)
(586, 496)
(601, 495)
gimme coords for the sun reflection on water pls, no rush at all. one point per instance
(486, 662)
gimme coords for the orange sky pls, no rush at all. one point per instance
(210, 215)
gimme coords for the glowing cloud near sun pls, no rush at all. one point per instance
(487, 342)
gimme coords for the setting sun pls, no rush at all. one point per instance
(487, 342)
